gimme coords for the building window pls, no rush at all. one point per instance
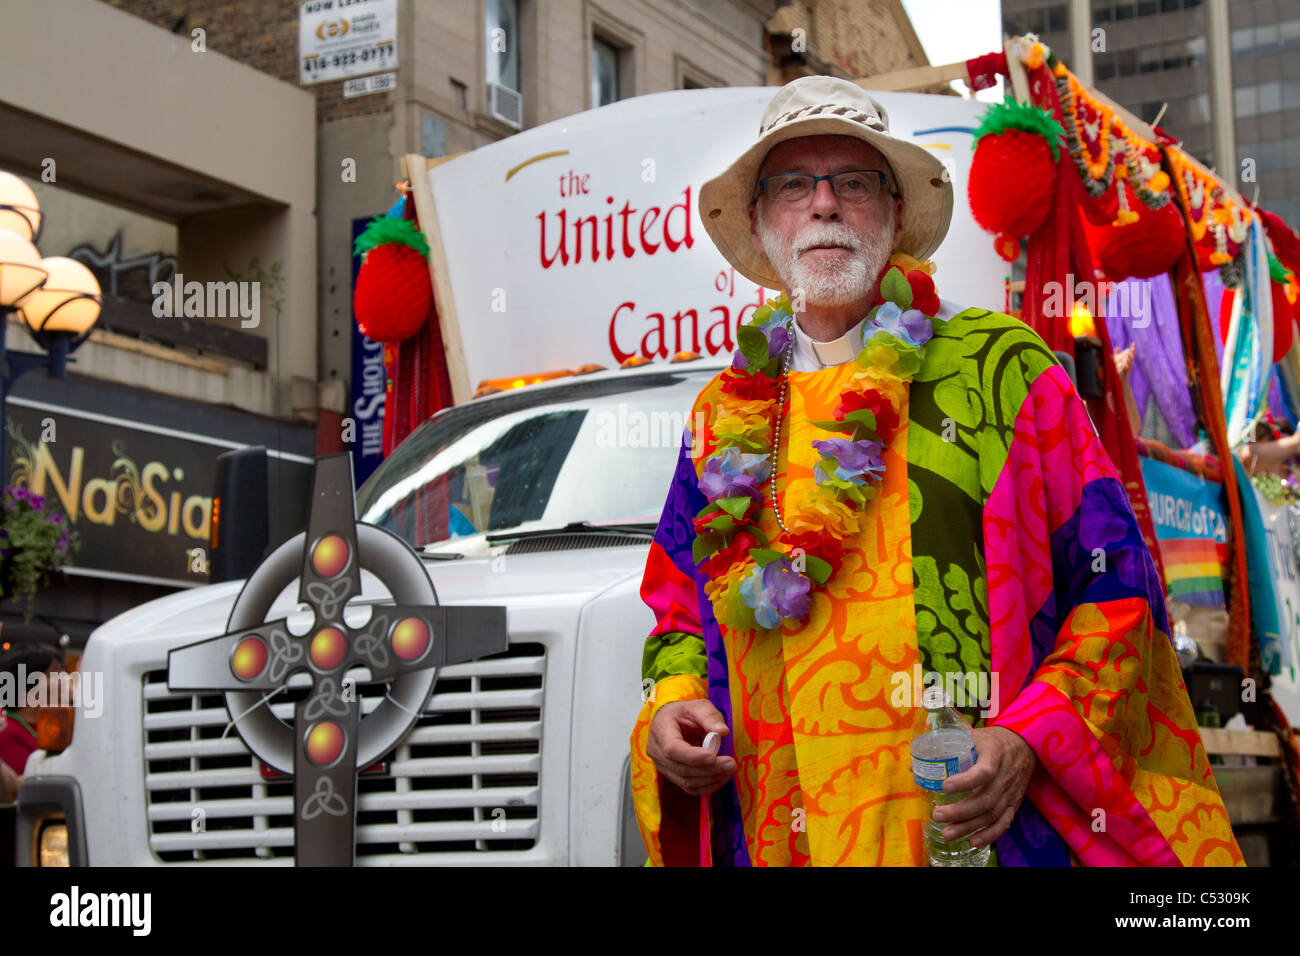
(1247, 101)
(1290, 31)
(503, 43)
(1270, 97)
(1198, 108)
(1058, 18)
(604, 72)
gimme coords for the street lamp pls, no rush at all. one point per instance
(57, 298)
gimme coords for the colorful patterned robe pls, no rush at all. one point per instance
(1002, 548)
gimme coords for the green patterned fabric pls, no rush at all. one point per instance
(674, 653)
(962, 409)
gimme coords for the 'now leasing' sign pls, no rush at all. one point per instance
(580, 241)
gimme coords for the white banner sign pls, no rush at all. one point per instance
(341, 38)
(579, 241)
(1282, 530)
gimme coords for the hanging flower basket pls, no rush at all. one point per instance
(35, 543)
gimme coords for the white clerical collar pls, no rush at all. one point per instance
(812, 356)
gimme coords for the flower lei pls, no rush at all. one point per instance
(752, 584)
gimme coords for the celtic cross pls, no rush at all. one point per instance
(403, 644)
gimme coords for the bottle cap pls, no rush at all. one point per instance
(933, 698)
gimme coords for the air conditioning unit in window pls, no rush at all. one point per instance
(506, 104)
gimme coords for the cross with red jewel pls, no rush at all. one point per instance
(402, 644)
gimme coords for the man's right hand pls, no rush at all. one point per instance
(676, 733)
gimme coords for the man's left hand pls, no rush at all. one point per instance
(995, 787)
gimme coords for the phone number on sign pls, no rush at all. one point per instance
(347, 59)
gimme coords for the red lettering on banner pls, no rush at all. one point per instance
(577, 239)
(562, 252)
(648, 220)
(619, 354)
(695, 329)
(723, 323)
(719, 338)
(686, 240)
(656, 229)
(662, 351)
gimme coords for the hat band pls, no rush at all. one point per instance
(868, 120)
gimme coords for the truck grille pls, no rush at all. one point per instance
(466, 779)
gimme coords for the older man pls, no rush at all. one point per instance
(888, 491)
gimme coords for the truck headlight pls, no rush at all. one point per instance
(53, 843)
(51, 828)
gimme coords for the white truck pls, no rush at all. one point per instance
(520, 758)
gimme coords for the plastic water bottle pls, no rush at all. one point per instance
(944, 750)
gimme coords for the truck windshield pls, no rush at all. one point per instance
(590, 450)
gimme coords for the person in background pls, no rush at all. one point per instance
(18, 734)
(1270, 455)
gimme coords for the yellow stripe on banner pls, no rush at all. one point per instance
(1196, 570)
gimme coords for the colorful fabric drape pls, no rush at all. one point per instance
(1001, 552)
(1142, 311)
(1248, 354)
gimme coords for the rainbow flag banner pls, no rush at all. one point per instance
(1192, 531)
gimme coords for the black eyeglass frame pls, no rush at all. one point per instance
(884, 181)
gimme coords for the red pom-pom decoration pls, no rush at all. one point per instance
(393, 293)
(394, 290)
(1013, 172)
(1142, 249)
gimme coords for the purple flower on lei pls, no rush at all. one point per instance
(911, 326)
(733, 474)
(776, 329)
(776, 591)
(858, 461)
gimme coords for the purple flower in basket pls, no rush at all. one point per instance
(21, 494)
(37, 501)
(54, 519)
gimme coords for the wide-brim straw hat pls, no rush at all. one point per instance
(821, 106)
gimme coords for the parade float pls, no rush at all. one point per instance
(1129, 246)
(1177, 298)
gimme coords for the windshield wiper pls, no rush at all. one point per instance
(634, 530)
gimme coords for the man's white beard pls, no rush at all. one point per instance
(827, 282)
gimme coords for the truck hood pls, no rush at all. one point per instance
(551, 577)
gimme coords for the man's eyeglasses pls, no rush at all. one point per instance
(854, 186)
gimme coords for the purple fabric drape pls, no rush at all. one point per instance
(1214, 290)
(1276, 402)
(1143, 311)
